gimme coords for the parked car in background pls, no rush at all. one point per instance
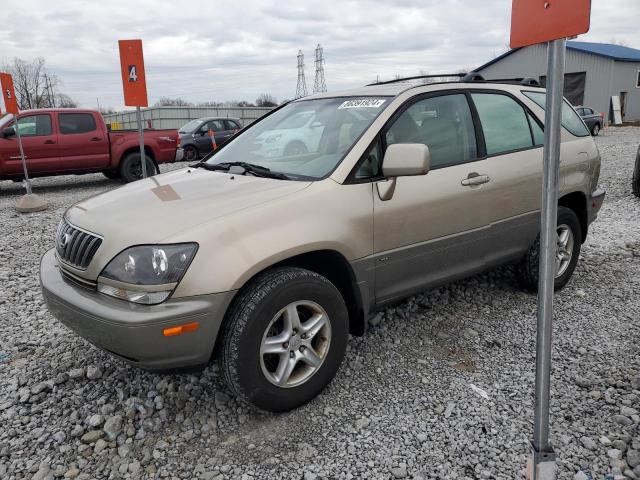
(195, 138)
(298, 134)
(272, 260)
(636, 175)
(592, 119)
(59, 141)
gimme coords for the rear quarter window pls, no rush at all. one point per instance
(571, 121)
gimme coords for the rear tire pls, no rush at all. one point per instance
(191, 154)
(595, 130)
(284, 338)
(131, 167)
(527, 269)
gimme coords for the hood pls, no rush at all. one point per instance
(150, 210)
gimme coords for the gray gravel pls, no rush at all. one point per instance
(440, 387)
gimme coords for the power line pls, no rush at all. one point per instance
(319, 85)
(301, 89)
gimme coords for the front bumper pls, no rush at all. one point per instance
(179, 155)
(594, 203)
(135, 332)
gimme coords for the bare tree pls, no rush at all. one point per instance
(35, 87)
(65, 101)
(106, 110)
(172, 102)
(266, 100)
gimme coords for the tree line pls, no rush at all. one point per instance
(37, 87)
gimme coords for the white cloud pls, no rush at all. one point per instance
(237, 50)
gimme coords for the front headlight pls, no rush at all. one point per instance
(273, 138)
(147, 273)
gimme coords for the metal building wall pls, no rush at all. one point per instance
(625, 77)
(532, 62)
(176, 117)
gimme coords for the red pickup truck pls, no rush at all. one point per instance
(63, 141)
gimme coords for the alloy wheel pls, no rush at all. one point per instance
(564, 250)
(295, 344)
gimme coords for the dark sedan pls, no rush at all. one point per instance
(591, 118)
(195, 136)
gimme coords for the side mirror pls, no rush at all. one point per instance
(406, 159)
(8, 132)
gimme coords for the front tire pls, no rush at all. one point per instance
(595, 130)
(284, 338)
(131, 167)
(568, 251)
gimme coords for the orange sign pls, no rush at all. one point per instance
(539, 21)
(8, 93)
(133, 79)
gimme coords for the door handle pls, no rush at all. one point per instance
(49, 142)
(96, 139)
(475, 179)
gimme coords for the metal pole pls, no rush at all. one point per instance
(548, 245)
(24, 162)
(141, 132)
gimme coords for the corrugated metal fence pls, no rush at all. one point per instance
(176, 117)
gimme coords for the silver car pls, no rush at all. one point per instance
(270, 260)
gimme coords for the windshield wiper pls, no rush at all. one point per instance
(256, 170)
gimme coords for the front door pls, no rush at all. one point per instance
(433, 229)
(40, 145)
(203, 138)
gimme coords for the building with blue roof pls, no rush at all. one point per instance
(594, 73)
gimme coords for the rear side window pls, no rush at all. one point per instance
(231, 125)
(443, 123)
(504, 123)
(570, 119)
(35, 125)
(71, 123)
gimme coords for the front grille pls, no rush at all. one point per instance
(76, 247)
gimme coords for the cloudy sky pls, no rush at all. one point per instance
(225, 50)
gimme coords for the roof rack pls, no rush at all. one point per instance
(531, 82)
(418, 77)
(465, 77)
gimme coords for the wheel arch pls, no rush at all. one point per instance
(332, 265)
(577, 201)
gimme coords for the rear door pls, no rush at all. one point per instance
(40, 144)
(84, 144)
(203, 140)
(433, 228)
(513, 141)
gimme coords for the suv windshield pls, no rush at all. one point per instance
(305, 139)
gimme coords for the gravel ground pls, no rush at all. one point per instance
(440, 387)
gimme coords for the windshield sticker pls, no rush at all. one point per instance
(363, 103)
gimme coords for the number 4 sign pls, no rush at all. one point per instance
(133, 78)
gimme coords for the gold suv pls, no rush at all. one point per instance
(277, 246)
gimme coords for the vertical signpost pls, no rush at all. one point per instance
(532, 22)
(135, 86)
(29, 202)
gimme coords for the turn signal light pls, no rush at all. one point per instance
(180, 329)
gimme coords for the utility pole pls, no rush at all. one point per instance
(301, 89)
(319, 85)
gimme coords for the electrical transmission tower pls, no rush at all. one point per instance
(319, 85)
(301, 89)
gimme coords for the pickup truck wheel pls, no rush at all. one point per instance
(284, 338)
(569, 235)
(191, 153)
(131, 167)
(595, 130)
